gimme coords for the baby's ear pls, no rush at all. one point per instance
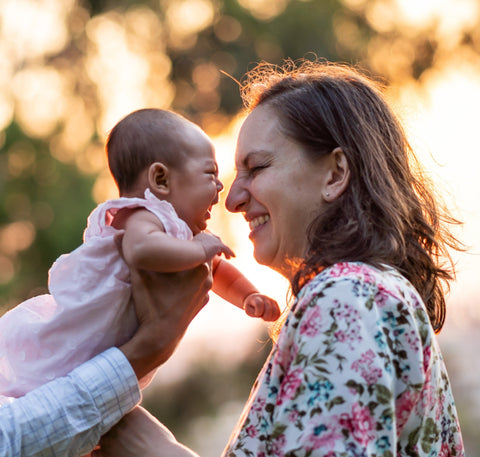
(158, 178)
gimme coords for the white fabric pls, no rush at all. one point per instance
(88, 310)
(67, 416)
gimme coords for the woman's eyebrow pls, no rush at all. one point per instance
(260, 152)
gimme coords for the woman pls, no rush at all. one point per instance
(324, 180)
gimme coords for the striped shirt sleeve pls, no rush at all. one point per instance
(67, 416)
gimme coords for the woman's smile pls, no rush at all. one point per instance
(257, 222)
(277, 188)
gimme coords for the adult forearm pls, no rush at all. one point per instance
(141, 434)
(67, 416)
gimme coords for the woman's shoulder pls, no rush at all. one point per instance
(361, 279)
(362, 296)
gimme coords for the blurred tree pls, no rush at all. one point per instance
(71, 68)
(102, 60)
(42, 213)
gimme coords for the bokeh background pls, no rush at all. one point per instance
(70, 69)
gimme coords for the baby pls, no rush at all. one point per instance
(167, 176)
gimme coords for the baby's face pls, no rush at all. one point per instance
(195, 185)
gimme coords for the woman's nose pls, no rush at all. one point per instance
(236, 198)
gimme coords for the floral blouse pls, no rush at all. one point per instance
(356, 372)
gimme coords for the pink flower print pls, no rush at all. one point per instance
(343, 269)
(324, 435)
(372, 376)
(289, 386)
(459, 448)
(259, 404)
(311, 322)
(344, 312)
(382, 295)
(368, 357)
(340, 336)
(364, 365)
(427, 356)
(278, 446)
(346, 317)
(445, 450)
(404, 406)
(285, 355)
(252, 431)
(293, 415)
(362, 425)
(413, 339)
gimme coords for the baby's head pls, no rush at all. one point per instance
(142, 138)
(171, 156)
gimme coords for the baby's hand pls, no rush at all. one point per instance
(258, 305)
(212, 245)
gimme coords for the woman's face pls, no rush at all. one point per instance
(277, 188)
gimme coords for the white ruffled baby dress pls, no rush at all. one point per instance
(88, 309)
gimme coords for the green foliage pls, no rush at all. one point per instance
(304, 30)
(53, 197)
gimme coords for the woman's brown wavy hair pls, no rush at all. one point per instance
(389, 214)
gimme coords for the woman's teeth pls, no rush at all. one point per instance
(254, 223)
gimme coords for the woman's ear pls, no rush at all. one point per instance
(159, 178)
(338, 175)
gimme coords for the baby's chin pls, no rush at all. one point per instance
(198, 228)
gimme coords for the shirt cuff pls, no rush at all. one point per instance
(111, 382)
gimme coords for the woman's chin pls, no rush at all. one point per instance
(261, 257)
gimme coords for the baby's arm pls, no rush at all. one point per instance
(146, 245)
(230, 284)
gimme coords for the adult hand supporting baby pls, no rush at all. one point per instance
(141, 434)
(165, 304)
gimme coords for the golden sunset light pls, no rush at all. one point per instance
(71, 69)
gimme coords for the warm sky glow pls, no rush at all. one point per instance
(441, 114)
(452, 15)
(443, 125)
(123, 64)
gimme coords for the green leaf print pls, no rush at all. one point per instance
(429, 434)
(334, 401)
(278, 430)
(351, 384)
(384, 395)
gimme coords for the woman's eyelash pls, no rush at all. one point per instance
(256, 168)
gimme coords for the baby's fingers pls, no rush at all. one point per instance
(227, 252)
(271, 310)
(254, 306)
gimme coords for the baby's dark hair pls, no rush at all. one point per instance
(141, 138)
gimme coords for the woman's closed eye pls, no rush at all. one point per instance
(253, 170)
